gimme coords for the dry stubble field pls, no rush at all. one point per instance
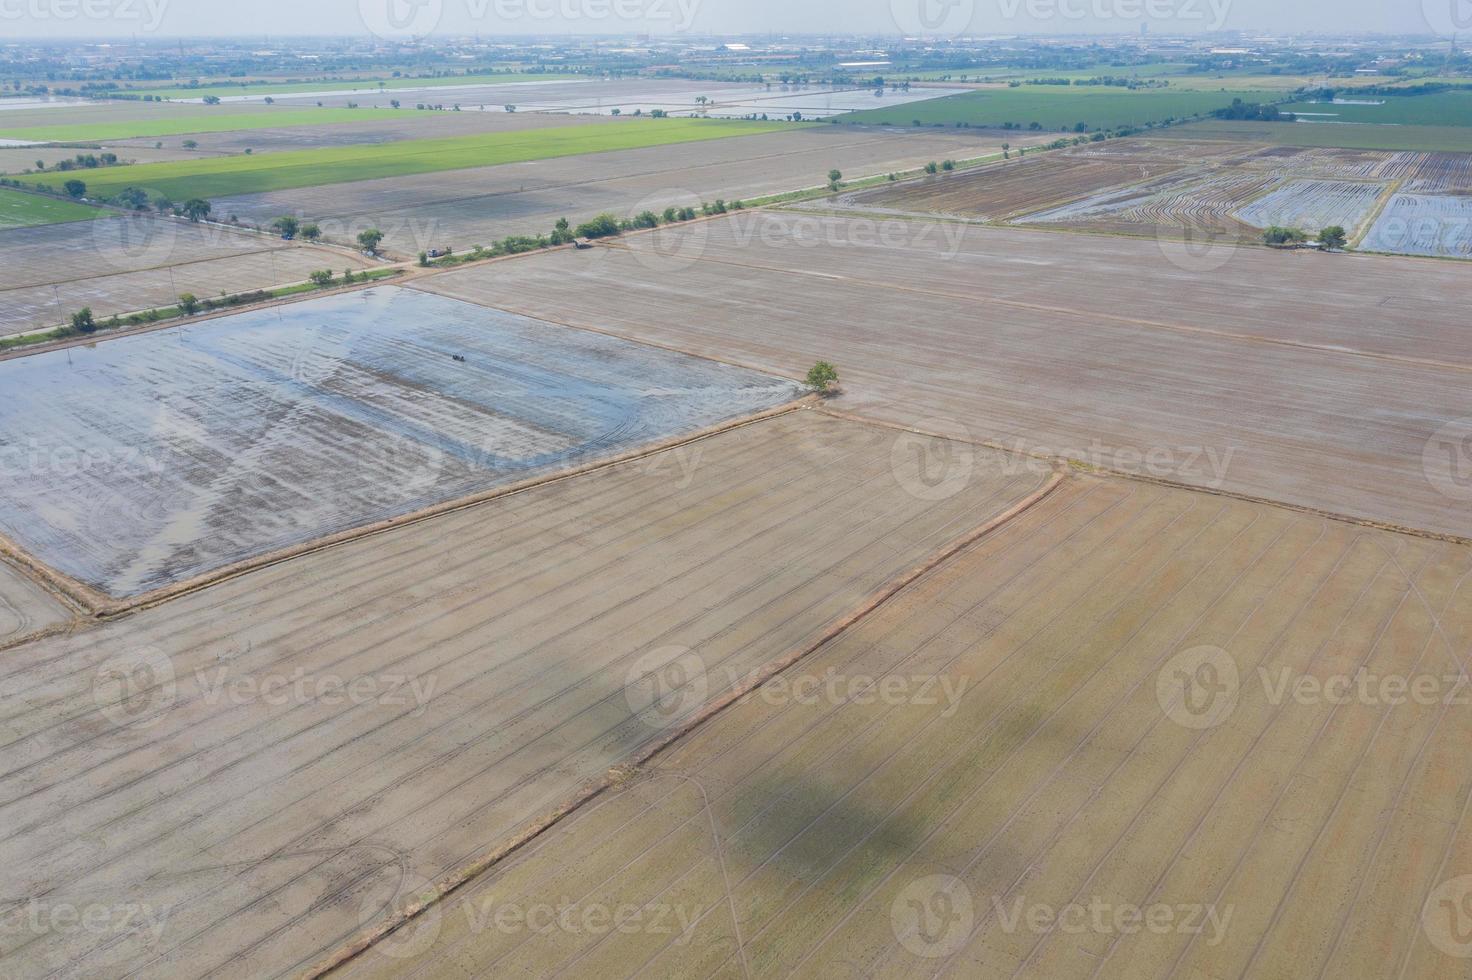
(1106, 782)
(463, 675)
(1321, 385)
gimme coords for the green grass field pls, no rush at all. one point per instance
(19, 210)
(225, 176)
(1055, 107)
(1350, 136)
(164, 125)
(307, 88)
(1440, 109)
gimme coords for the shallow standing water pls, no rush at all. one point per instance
(147, 460)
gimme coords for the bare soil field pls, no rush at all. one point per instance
(476, 207)
(1169, 189)
(128, 263)
(254, 432)
(1321, 386)
(18, 160)
(25, 607)
(1002, 190)
(1066, 753)
(252, 764)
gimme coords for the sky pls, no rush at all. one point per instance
(934, 18)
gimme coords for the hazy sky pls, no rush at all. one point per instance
(121, 18)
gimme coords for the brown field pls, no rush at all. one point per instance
(25, 607)
(1321, 386)
(1167, 189)
(258, 817)
(999, 191)
(476, 207)
(1078, 768)
(119, 265)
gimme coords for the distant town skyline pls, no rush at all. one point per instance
(21, 19)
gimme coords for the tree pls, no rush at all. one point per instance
(82, 321)
(1282, 236)
(322, 277)
(74, 188)
(822, 376)
(310, 232)
(211, 100)
(196, 209)
(1333, 237)
(189, 144)
(369, 240)
(40, 164)
(133, 198)
(932, 167)
(287, 225)
(602, 226)
(188, 303)
(948, 166)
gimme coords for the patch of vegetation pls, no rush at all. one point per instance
(20, 210)
(1437, 108)
(342, 85)
(229, 176)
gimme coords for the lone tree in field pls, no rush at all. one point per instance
(1333, 237)
(287, 225)
(822, 377)
(74, 188)
(369, 240)
(82, 321)
(310, 232)
(196, 209)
